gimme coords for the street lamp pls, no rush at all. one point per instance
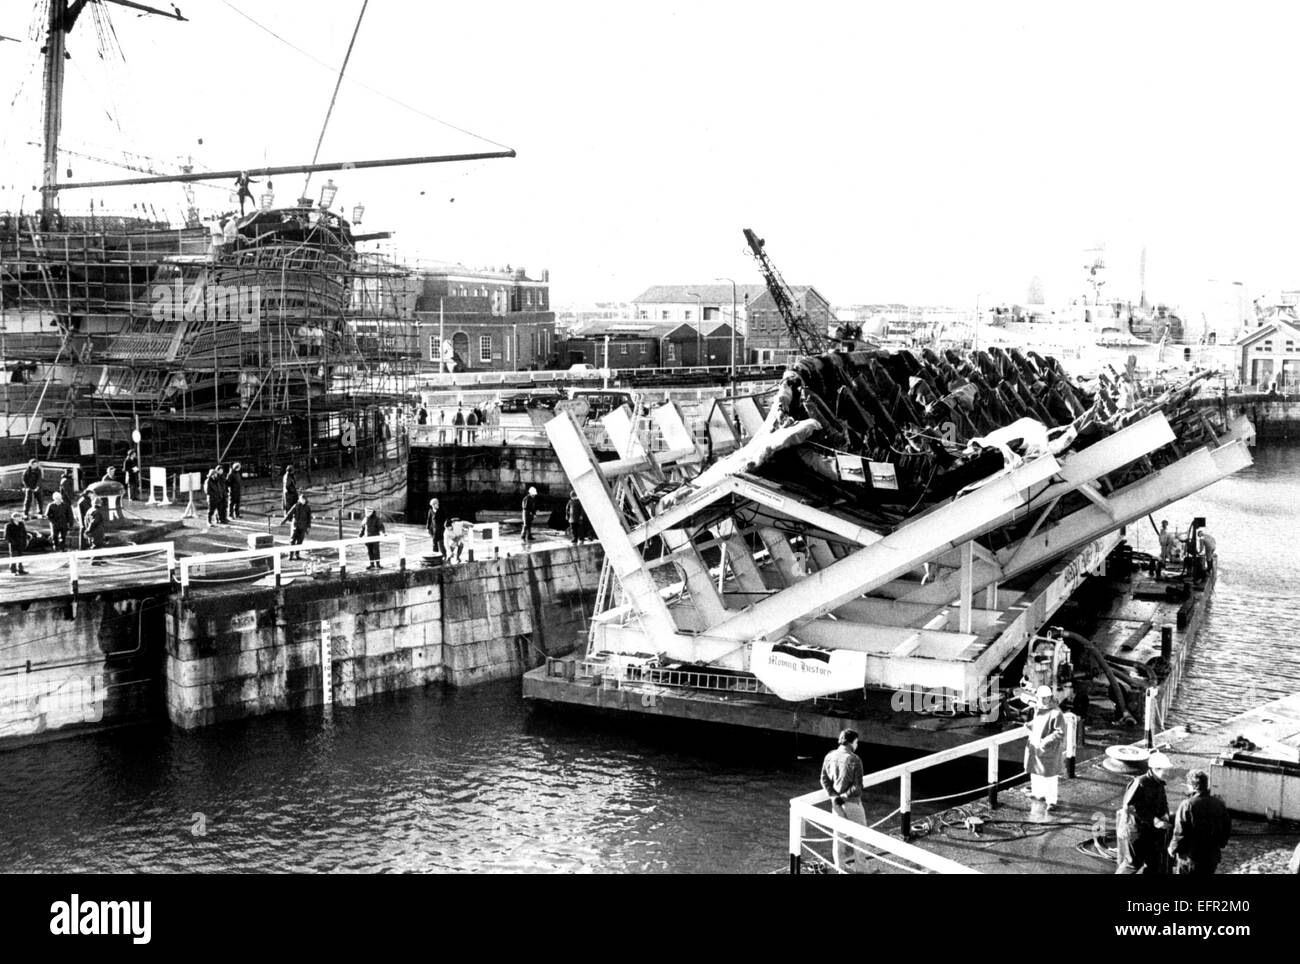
(733, 334)
(699, 327)
(327, 194)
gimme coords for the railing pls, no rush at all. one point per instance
(276, 554)
(871, 844)
(618, 673)
(433, 436)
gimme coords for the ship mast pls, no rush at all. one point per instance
(63, 15)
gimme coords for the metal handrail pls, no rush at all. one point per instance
(808, 807)
(277, 553)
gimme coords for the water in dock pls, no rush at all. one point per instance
(473, 780)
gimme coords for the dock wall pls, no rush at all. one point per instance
(101, 666)
(235, 654)
(1276, 417)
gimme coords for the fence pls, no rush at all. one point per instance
(869, 843)
(215, 567)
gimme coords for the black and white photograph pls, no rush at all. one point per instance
(740, 438)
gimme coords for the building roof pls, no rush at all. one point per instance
(1278, 327)
(685, 294)
(800, 292)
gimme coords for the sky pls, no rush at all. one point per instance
(922, 152)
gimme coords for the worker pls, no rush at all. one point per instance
(214, 488)
(1201, 828)
(422, 415)
(576, 518)
(1144, 813)
(300, 514)
(84, 505)
(471, 425)
(1168, 543)
(92, 527)
(458, 425)
(59, 515)
(67, 488)
(289, 489)
(529, 508)
(454, 536)
(442, 426)
(16, 540)
(1209, 549)
(234, 490)
(1045, 751)
(433, 525)
(32, 489)
(131, 475)
(371, 525)
(841, 778)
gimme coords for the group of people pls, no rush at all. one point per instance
(1200, 547)
(449, 536)
(464, 424)
(87, 513)
(223, 489)
(1150, 840)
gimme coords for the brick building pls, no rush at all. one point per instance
(662, 304)
(769, 339)
(494, 319)
(639, 344)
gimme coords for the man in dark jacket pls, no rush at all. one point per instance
(576, 518)
(235, 489)
(92, 528)
(16, 540)
(84, 505)
(1144, 813)
(433, 525)
(1201, 828)
(300, 514)
(458, 425)
(529, 508)
(372, 526)
(289, 488)
(131, 476)
(67, 489)
(59, 515)
(215, 491)
(32, 489)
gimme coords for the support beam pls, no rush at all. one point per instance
(923, 537)
(963, 600)
(1176, 481)
(579, 464)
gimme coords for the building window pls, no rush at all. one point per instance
(672, 352)
(485, 348)
(663, 313)
(622, 348)
(642, 314)
(686, 315)
(1268, 345)
(1290, 345)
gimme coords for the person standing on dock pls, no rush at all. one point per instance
(842, 780)
(32, 489)
(1045, 751)
(131, 475)
(1144, 812)
(1201, 828)
(92, 527)
(300, 514)
(59, 515)
(289, 489)
(458, 425)
(372, 526)
(471, 426)
(235, 490)
(442, 426)
(1167, 543)
(16, 540)
(84, 505)
(529, 508)
(576, 518)
(433, 525)
(214, 488)
(67, 488)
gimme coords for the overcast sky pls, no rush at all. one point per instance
(924, 152)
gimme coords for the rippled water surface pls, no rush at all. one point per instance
(474, 780)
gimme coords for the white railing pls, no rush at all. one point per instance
(78, 559)
(871, 844)
(276, 554)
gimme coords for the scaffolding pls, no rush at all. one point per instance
(269, 342)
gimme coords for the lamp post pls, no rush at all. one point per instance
(699, 327)
(733, 335)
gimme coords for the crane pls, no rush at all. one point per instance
(805, 335)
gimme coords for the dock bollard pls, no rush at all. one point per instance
(1166, 641)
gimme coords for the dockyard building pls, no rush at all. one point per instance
(494, 319)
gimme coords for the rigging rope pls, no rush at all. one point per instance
(337, 84)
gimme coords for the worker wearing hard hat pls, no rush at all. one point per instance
(1143, 819)
(1045, 751)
